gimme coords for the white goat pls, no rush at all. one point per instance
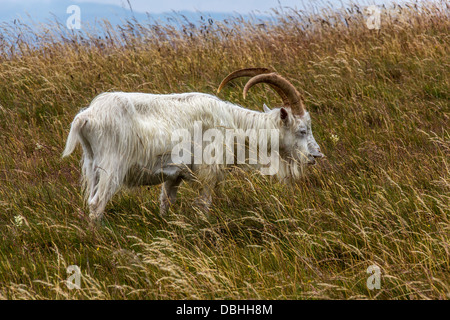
(127, 138)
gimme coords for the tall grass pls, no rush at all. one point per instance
(380, 106)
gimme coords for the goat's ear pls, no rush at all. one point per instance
(266, 108)
(284, 115)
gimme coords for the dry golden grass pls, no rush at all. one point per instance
(380, 107)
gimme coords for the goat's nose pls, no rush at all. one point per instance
(318, 155)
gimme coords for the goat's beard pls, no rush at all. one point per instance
(290, 170)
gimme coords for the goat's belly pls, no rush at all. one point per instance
(160, 172)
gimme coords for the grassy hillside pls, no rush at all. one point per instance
(380, 107)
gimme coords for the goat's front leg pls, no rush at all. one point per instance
(168, 195)
(204, 201)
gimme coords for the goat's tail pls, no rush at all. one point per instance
(75, 135)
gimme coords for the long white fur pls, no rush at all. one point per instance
(121, 131)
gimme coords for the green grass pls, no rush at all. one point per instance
(380, 107)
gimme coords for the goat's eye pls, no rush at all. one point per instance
(302, 132)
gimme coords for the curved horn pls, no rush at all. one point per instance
(293, 97)
(252, 72)
(248, 72)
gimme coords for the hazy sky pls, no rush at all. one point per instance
(241, 6)
(203, 5)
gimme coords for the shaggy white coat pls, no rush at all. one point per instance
(123, 134)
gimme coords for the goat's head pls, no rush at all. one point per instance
(297, 142)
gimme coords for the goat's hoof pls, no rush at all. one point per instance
(96, 220)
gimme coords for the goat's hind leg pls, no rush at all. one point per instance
(102, 190)
(90, 185)
(92, 178)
